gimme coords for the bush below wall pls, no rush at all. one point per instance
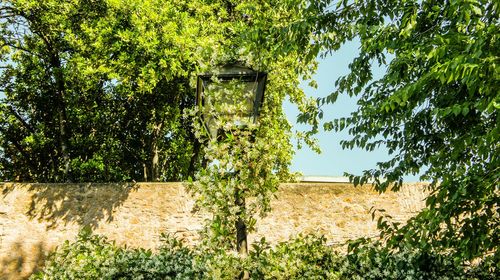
(306, 257)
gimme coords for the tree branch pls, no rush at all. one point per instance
(23, 122)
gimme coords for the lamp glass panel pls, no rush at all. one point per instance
(229, 102)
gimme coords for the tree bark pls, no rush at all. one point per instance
(241, 231)
(195, 157)
(155, 152)
(155, 166)
(145, 170)
(61, 113)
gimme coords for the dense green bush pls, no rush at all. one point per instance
(89, 257)
(372, 260)
(94, 257)
(305, 257)
(308, 257)
(376, 262)
(172, 261)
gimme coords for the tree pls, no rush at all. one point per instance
(45, 52)
(146, 51)
(435, 109)
(89, 98)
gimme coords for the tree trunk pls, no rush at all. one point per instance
(61, 114)
(155, 152)
(195, 158)
(241, 231)
(145, 170)
(155, 166)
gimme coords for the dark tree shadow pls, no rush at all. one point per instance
(85, 204)
(21, 262)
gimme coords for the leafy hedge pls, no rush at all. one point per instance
(94, 257)
(302, 258)
(306, 257)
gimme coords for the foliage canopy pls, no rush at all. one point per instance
(435, 108)
(95, 89)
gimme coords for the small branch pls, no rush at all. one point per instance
(23, 122)
(20, 149)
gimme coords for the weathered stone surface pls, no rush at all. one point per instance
(34, 218)
(338, 211)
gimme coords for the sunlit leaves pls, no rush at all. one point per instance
(248, 162)
(435, 109)
(125, 69)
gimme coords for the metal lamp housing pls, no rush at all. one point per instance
(216, 90)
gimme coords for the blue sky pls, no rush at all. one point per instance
(334, 161)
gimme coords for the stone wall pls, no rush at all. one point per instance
(34, 218)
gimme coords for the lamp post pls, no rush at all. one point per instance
(231, 98)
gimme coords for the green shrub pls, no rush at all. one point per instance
(172, 261)
(374, 261)
(306, 257)
(221, 264)
(93, 257)
(89, 257)
(486, 269)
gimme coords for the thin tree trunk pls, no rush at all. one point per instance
(194, 158)
(155, 159)
(241, 231)
(155, 170)
(145, 169)
(61, 112)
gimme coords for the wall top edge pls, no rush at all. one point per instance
(303, 180)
